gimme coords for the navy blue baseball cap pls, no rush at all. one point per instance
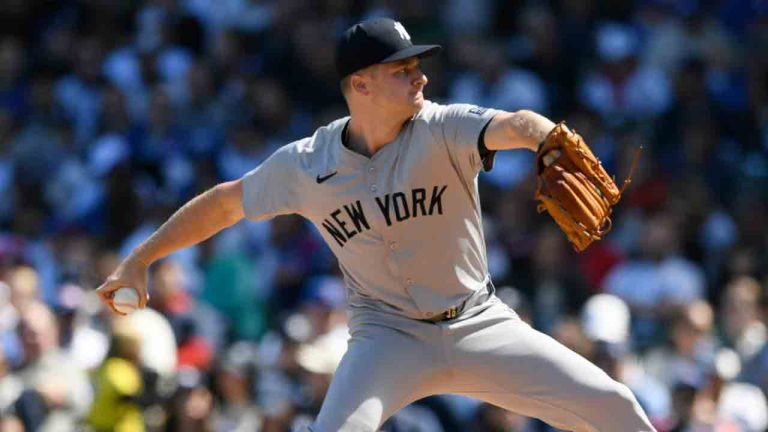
(380, 40)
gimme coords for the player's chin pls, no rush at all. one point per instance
(417, 101)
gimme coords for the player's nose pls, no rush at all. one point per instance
(421, 79)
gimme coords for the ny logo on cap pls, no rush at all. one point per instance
(401, 30)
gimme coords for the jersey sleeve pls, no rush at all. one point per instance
(272, 189)
(461, 126)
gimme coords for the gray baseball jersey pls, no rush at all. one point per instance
(406, 227)
(405, 224)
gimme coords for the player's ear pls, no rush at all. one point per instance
(359, 84)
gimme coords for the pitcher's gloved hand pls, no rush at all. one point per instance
(575, 188)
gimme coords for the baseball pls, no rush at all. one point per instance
(125, 300)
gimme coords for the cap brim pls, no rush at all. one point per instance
(420, 51)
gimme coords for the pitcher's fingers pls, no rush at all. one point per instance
(111, 306)
(143, 299)
(106, 298)
(107, 289)
(104, 292)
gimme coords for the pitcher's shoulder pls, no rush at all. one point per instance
(315, 143)
(322, 138)
(314, 150)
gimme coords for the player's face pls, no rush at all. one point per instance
(398, 87)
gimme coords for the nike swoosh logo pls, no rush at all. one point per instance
(324, 178)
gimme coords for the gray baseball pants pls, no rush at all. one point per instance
(487, 353)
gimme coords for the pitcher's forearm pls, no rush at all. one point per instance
(520, 129)
(196, 221)
(531, 128)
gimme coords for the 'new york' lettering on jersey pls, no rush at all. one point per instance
(337, 225)
(387, 217)
(394, 207)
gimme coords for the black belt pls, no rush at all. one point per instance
(473, 300)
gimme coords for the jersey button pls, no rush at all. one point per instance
(409, 281)
(370, 169)
(393, 245)
(374, 188)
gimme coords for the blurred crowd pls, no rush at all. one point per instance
(115, 113)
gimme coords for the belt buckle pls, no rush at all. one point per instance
(451, 313)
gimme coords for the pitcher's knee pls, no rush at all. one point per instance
(620, 407)
(626, 394)
(616, 398)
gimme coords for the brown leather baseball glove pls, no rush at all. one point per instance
(574, 187)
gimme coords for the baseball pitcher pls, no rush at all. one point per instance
(393, 190)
